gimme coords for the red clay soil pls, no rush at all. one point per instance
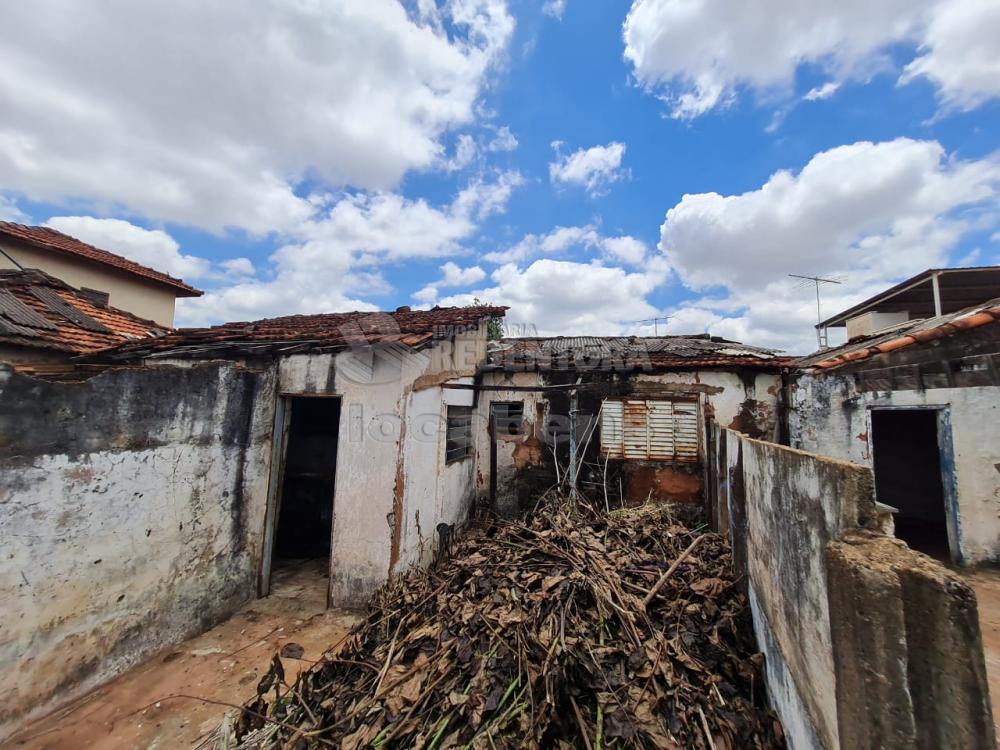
(224, 664)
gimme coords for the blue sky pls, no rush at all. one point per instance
(590, 164)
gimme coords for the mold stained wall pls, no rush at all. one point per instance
(746, 402)
(514, 452)
(392, 484)
(129, 520)
(830, 416)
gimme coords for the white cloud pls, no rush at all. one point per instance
(593, 168)
(872, 213)
(333, 259)
(10, 212)
(150, 247)
(554, 8)
(552, 297)
(825, 91)
(452, 275)
(465, 152)
(238, 267)
(212, 115)
(959, 53)
(503, 141)
(699, 56)
(626, 249)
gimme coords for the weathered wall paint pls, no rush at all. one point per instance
(392, 484)
(866, 642)
(795, 504)
(746, 401)
(514, 452)
(128, 519)
(830, 416)
(135, 504)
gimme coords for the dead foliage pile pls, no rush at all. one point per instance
(551, 634)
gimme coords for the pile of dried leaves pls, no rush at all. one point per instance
(537, 635)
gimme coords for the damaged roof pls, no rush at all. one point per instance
(300, 333)
(628, 352)
(920, 331)
(50, 239)
(42, 312)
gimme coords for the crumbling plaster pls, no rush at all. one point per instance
(830, 416)
(127, 518)
(392, 483)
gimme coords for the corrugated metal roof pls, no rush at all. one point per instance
(627, 352)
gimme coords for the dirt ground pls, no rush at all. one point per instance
(224, 664)
(986, 583)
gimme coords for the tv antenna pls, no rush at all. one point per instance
(821, 337)
(654, 321)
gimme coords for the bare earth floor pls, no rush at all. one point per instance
(224, 664)
(986, 583)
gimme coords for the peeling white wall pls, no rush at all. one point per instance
(390, 455)
(830, 416)
(128, 520)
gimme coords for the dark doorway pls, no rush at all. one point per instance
(305, 504)
(907, 463)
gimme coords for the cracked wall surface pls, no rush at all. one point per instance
(128, 518)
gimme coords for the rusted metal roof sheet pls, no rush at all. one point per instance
(908, 334)
(628, 353)
(42, 312)
(300, 333)
(50, 239)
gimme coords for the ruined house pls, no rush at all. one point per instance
(122, 283)
(639, 406)
(45, 322)
(146, 503)
(915, 394)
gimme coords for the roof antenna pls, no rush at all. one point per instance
(821, 337)
(656, 327)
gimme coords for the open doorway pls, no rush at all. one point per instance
(303, 507)
(906, 454)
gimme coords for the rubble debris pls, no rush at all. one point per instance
(537, 635)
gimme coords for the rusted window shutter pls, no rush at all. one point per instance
(657, 430)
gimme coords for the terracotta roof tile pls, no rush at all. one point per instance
(920, 331)
(63, 243)
(294, 333)
(42, 312)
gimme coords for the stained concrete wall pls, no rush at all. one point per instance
(128, 520)
(829, 415)
(135, 506)
(742, 400)
(862, 647)
(393, 485)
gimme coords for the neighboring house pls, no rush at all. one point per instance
(148, 502)
(916, 396)
(130, 286)
(44, 321)
(634, 407)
